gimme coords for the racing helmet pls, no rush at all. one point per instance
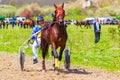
(40, 18)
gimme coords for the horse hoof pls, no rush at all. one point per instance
(57, 71)
(43, 71)
(67, 70)
(53, 65)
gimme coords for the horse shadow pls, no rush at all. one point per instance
(31, 70)
(71, 71)
(74, 71)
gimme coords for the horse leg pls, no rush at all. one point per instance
(90, 27)
(76, 25)
(55, 57)
(27, 26)
(30, 26)
(87, 25)
(53, 60)
(24, 26)
(44, 51)
(80, 25)
(60, 56)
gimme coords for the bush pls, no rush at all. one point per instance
(90, 13)
(7, 11)
(47, 10)
(21, 9)
(74, 11)
(106, 11)
(112, 31)
(117, 10)
(34, 8)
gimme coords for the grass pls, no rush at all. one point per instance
(11, 39)
(71, 17)
(104, 55)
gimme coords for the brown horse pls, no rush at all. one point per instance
(56, 36)
(29, 23)
(85, 23)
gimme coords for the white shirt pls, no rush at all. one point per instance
(97, 26)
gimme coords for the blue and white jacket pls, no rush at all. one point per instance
(97, 26)
(35, 30)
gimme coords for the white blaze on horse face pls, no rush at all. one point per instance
(55, 32)
(60, 12)
(59, 39)
(60, 18)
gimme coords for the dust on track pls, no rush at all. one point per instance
(10, 70)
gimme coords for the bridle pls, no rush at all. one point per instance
(59, 13)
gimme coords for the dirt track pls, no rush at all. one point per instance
(10, 70)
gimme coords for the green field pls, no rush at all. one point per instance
(104, 55)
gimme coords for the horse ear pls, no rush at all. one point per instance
(63, 5)
(55, 5)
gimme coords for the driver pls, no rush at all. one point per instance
(36, 38)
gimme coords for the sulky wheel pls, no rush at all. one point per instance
(22, 59)
(67, 59)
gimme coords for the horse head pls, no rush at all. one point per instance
(59, 12)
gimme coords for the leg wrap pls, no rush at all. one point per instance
(56, 62)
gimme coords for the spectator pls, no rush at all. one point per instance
(97, 30)
(7, 23)
(3, 24)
